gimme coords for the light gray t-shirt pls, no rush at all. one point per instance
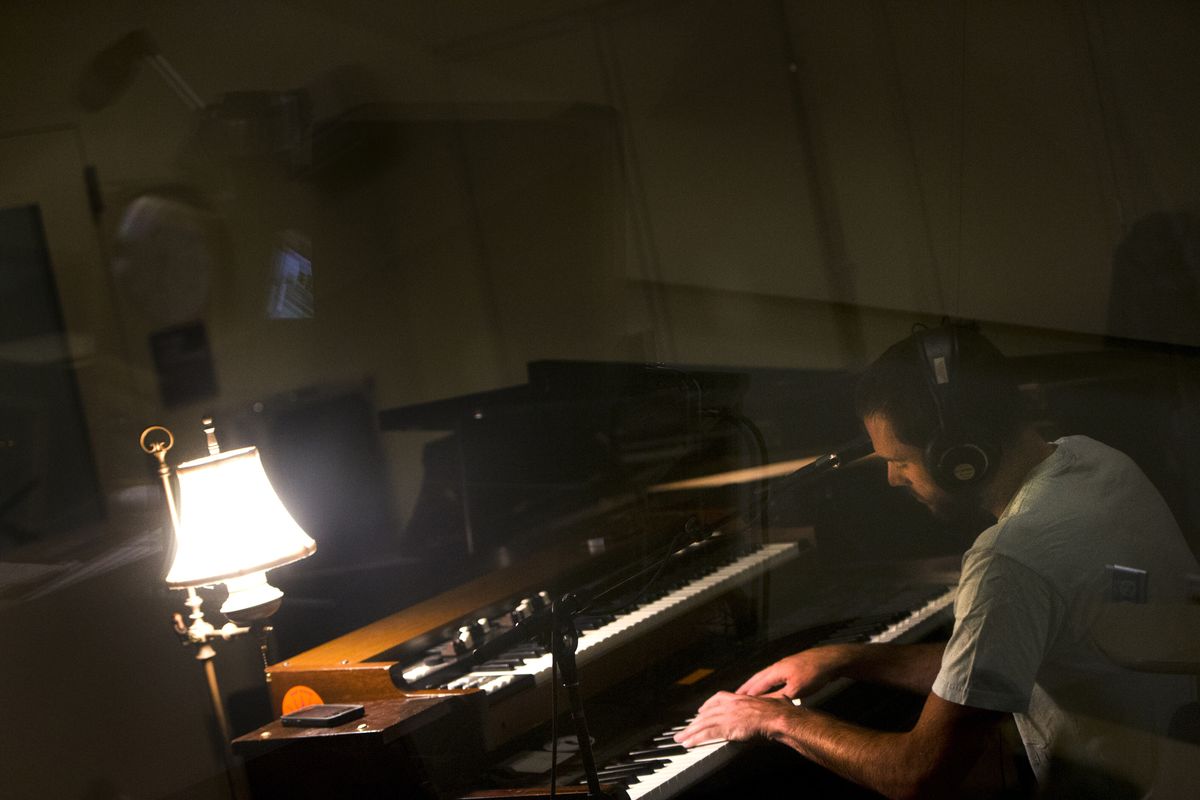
(1032, 589)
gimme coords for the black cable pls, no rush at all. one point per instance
(553, 705)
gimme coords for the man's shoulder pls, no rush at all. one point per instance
(1019, 539)
(1044, 536)
(1084, 450)
(1082, 480)
(1089, 504)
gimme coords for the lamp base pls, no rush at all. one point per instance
(254, 615)
(251, 598)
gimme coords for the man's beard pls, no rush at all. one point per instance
(952, 508)
(961, 517)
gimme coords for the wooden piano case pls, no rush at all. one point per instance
(413, 747)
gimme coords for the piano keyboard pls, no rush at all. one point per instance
(663, 768)
(535, 665)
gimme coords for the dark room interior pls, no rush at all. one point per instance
(544, 302)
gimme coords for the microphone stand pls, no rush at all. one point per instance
(564, 640)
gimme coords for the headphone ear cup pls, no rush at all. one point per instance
(958, 466)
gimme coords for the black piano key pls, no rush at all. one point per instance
(652, 763)
(593, 621)
(623, 781)
(664, 750)
(630, 770)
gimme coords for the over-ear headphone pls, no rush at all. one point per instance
(958, 458)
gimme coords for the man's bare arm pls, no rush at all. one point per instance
(929, 761)
(905, 666)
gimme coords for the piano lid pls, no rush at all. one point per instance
(578, 384)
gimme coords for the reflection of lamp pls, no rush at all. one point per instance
(230, 527)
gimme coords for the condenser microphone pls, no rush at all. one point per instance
(828, 462)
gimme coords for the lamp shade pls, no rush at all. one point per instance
(231, 523)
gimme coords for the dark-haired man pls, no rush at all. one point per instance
(944, 414)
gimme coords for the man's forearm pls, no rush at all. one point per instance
(926, 762)
(874, 759)
(904, 666)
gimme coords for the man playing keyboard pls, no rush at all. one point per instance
(943, 412)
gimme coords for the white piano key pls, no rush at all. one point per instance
(654, 614)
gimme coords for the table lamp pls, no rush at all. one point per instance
(229, 527)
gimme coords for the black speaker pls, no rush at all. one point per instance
(958, 457)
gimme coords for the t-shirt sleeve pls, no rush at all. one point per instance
(1003, 618)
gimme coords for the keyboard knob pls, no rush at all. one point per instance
(465, 640)
(523, 611)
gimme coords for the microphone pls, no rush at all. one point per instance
(851, 451)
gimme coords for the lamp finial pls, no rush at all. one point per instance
(210, 435)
